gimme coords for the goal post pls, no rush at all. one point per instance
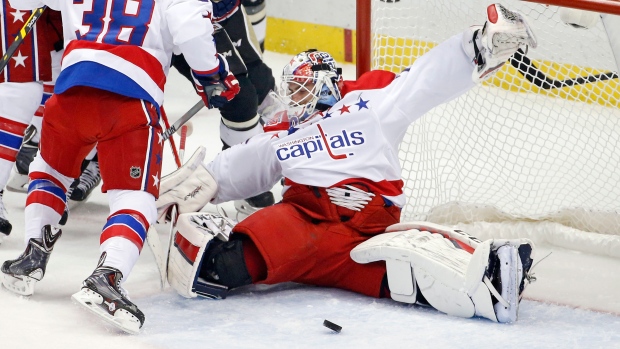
(537, 143)
(600, 6)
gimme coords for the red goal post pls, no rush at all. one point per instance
(364, 27)
(537, 143)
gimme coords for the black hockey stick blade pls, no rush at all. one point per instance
(534, 75)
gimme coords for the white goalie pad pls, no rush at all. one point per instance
(430, 260)
(438, 262)
(460, 238)
(193, 233)
(191, 187)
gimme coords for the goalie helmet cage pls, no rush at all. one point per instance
(539, 142)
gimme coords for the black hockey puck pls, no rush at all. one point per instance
(332, 326)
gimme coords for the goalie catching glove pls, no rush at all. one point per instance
(217, 89)
(491, 45)
(190, 188)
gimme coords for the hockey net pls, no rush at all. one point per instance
(543, 152)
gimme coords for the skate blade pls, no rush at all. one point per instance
(73, 204)
(22, 285)
(121, 318)
(18, 183)
(511, 278)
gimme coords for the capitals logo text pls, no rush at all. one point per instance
(330, 143)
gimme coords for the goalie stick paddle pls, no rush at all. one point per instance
(159, 253)
(21, 35)
(534, 75)
(183, 119)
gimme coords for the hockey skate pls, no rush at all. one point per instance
(255, 203)
(25, 156)
(102, 294)
(81, 189)
(5, 226)
(21, 274)
(507, 275)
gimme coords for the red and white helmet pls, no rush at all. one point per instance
(314, 75)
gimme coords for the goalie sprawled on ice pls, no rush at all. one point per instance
(338, 223)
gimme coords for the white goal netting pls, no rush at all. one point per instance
(539, 143)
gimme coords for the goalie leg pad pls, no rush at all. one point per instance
(190, 187)
(434, 263)
(194, 233)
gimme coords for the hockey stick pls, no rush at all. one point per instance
(21, 35)
(183, 119)
(534, 75)
(161, 253)
(173, 146)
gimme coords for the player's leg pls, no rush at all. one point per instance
(18, 101)
(207, 259)
(256, 11)
(89, 179)
(242, 36)
(62, 143)
(240, 119)
(425, 265)
(30, 143)
(130, 158)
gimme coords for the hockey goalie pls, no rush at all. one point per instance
(338, 224)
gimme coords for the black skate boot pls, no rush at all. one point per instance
(21, 274)
(510, 262)
(89, 180)
(5, 226)
(255, 203)
(102, 294)
(25, 156)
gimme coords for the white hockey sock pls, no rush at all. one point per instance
(122, 254)
(46, 199)
(5, 172)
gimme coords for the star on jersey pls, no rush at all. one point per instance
(328, 115)
(344, 109)
(160, 138)
(362, 104)
(20, 60)
(156, 180)
(18, 16)
(158, 158)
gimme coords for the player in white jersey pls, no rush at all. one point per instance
(338, 223)
(108, 93)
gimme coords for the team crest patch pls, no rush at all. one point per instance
(135, 172)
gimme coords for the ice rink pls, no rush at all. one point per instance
(574, 303)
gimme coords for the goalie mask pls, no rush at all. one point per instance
(310, 83)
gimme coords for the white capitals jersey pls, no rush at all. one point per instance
(125, 46)
(356, 140)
